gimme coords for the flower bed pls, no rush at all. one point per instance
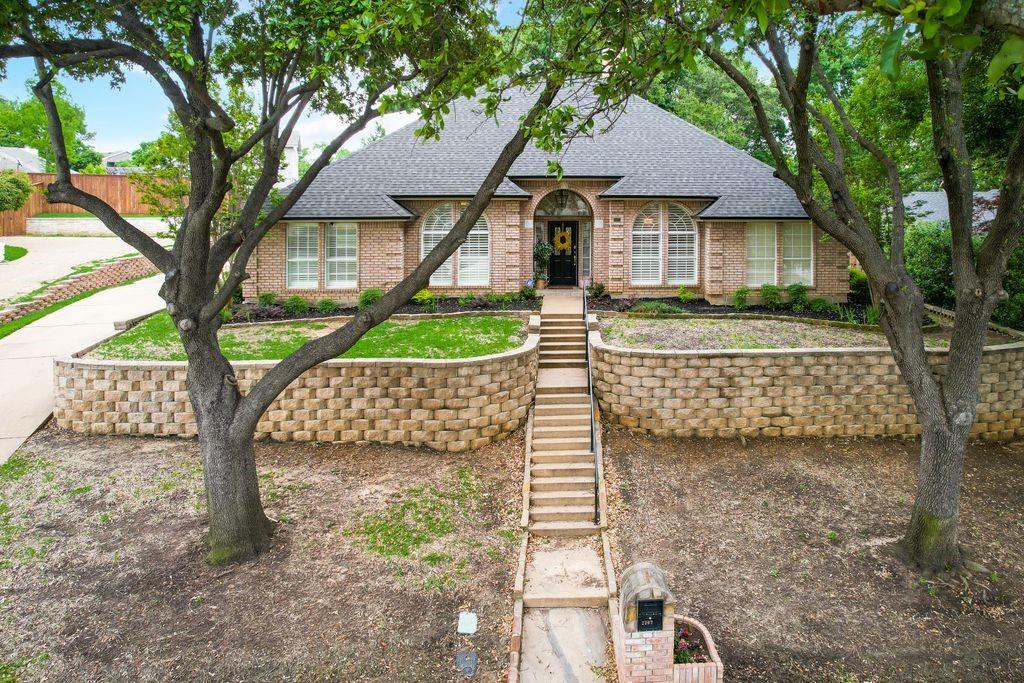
(695, 657)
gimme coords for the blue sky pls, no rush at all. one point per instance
(122, 118)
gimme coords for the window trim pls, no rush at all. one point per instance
(288, 261)
(328, 285)
(807, 224)
(775, 253)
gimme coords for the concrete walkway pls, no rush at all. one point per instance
(49, 258)
(565, 590)
(26, 357)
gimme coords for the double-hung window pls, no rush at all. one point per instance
(341, 269)
(797, 254)
(436, 225)
(682, 247)
(474, 256)
(760, 254)
(645, 256)
(302, 255)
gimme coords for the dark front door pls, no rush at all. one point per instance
(564, 237)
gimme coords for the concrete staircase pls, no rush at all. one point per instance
(562, 483)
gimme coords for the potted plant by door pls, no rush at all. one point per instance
(542, 252)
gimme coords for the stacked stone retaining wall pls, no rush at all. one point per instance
(107, 275)
(791, 392)
(448, 405)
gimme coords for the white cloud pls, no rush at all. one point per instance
(325, 127)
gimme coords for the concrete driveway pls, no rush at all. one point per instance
(51, 257)
(26, 357)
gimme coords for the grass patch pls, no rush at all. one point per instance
(156, 339)
(13, 253)
(423, 513)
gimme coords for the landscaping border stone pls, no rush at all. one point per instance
(107, 275)
(445, 404)
(789, 392)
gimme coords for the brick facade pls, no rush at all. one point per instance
(447, 405)
(789, 392)
(389, 250)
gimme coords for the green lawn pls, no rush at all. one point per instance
(463, 337)
(13, 253)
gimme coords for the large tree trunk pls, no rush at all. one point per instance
(239, 529)
(932, 539)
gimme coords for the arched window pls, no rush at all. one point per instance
(474, 256)
(682, 246)
(645, 261)
(436, 225)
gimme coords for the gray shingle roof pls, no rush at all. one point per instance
(934, 206)
(651, 153)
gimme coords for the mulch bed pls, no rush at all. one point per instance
(254, 312)
(785, 550)
(702, 307)
(118, 590)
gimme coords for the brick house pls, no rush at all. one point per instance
(643, 207)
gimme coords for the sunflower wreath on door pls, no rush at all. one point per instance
(562, 241)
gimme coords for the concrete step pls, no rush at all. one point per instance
(559, 363)
(579, 417)
(565, 529)
(571, 399)
(548, 323)
(559, 335)
(562, 469)
(564, 345)
(562, 513)
(561, 444)
(560, 484)
(562, 382)
(562, 456)
(579, 597)
(560, 316)
(571, 354)
(561, 432)
(546, 498)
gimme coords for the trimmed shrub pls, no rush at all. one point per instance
(596, 290)
(655, 308)
(467, 299)
(820, 305)
(798, 297)
(739, 298)
(424, 297)
(860, 293)
(295, 305)
(685, 295)
(267, 299)
(369, 297)
(527, 292)
(15, 190)
(327, 306)
(771, 296)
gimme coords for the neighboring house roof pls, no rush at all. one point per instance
(647, 150)
(116, 157)
(24, 159)
(934, 206)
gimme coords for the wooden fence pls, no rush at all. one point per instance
(116, 190)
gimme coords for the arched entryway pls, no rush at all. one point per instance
(565, 220)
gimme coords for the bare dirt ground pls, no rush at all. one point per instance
(377, 550)
(783, 548)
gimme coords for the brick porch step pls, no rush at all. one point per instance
(572, 498)
(561, 484)
(565, 529)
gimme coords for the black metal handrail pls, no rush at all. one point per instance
(590, 392)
